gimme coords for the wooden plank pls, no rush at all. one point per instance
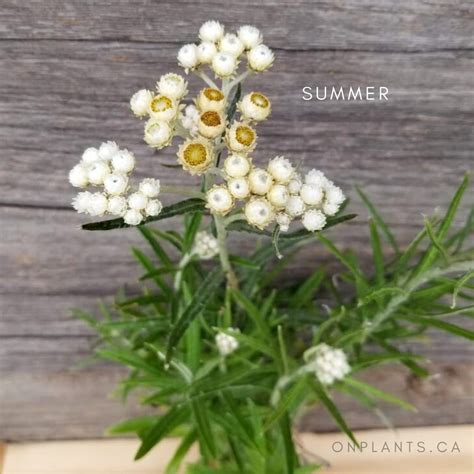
(348, 24)
(440, 455)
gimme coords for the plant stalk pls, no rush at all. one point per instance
(223, 254)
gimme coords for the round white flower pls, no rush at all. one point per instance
(137, 201)
(295, 183)
(211, 31)
(90, 155)
(313, 220)
(163, 108)
(123, 161)
(259, 212)
(295, 206)
(231, 44)
(98, 171)
(311, 194)
(150, 187)
(334, 195)
(132, 217)
(255, 106)
(117, 206)
(240, 137)
(188, 56)
(196, 155)
(172, 85)
(260, 181)
(153, 207)
(224, 64)
(190, 119)
(329, 364)
(239, 187)
(211, 124)
(284, 221)
(115, 184)
(278, 195)
(250, 36)
(330, 209)
(317, 178)
(211, 99)
(236, 166)
(260, 58)
(226, 344)
(205, 246)
(81, 202)
(78, 176)
(107, 150)
(158, 134)
(281, 169)
(98, 204)
(140, 102)
(206, 52)
(219, 200)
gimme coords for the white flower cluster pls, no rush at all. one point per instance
(226, 344)
(110, 167)
(329, 364)
(275, 194)
(205, 246)
(163, 109)
(223, 51)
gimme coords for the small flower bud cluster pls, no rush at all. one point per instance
(205, 246)
(163, 109)
(226, 344)
(223, 51)
(110, 167)
(328, 363)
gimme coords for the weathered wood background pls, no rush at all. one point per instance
(67, 70)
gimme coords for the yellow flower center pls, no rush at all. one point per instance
(211, 119)
(161, 103)
(259, 100)
(213, 94)
(195, 154)
(244, 135)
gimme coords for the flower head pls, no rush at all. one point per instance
(211, 124)
(284, 221)
(260, 58)
(278, 196)
(188, 57)
(224, 64)
(107, 150)
(211, 99)
(117, 206)
(137, 201)
(219, 200)
(97, 172)
(226, 344)
(163, 107)
(196, 155)
(311, 194)
(153, 207)
(81, 202)
(115, 184)
(140, 102)
(260, 181)
(211, 31)
(237, 166)
(158, 133)
(241, 137)
(250, 36)
(239, 187)
(295, 206)
(150, 187)
(133, 217)
(329, 364)
(206, 52)
(78, 176)
(205, 246)
(172, 85)
(90, 155)
(255, 106)
(123, 161)
(231, 44)
(313, 220)
(281, 169)
(259, 212)
(98, 204)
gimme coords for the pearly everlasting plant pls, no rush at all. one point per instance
(228, 349)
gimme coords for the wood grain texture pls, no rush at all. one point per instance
(68, 70)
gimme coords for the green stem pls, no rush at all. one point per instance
(223, 254)
(184, 190)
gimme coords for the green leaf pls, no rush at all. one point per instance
(377, 253)
(378, 220)
(288, 444)
(165, 424)
(206, 436)
(192, 226)
(154, 244)
(380, 292)
(200, 300)
(129, 359)
(459, 285)
(178, 457)
(243, 262)
(137, 425)
(233, 105)
(182, 207)
(442, 325)
(306, 291)
(332, 409)
(434, 240)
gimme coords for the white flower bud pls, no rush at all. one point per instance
(231, 44)
(317, 178)
(190, 119)
(259, 212)
(98, 171)
(137, 201)
(313, 220)
(239, 187)
(311, 194)
(205, 246)
(98, 204)
(78, 176)
(224, 64)
(133, 217)
(90, 155)
(236, 166)
(329, 364)
(140, 102)
(172, 85)
(206, 52)
(81, 202)
(123, 161)
(211, 31)
(240, 137)
(188, 56)
(158, 134)
(278, 196)
(334, 195)
(226, 344)
(219, 200)
(260, 181)
(115, 184)
(250, 36)
(107, 150)
(153, 207)
(117, 206)
(284, 221)
(260, 58)
(281, 169)
(255, 106)
(295, 206)
(294, 186)
(150, 187)
(330, 209)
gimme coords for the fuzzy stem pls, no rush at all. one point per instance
(232, 84)
(223, 254)
(184, 190)
(206, 79)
